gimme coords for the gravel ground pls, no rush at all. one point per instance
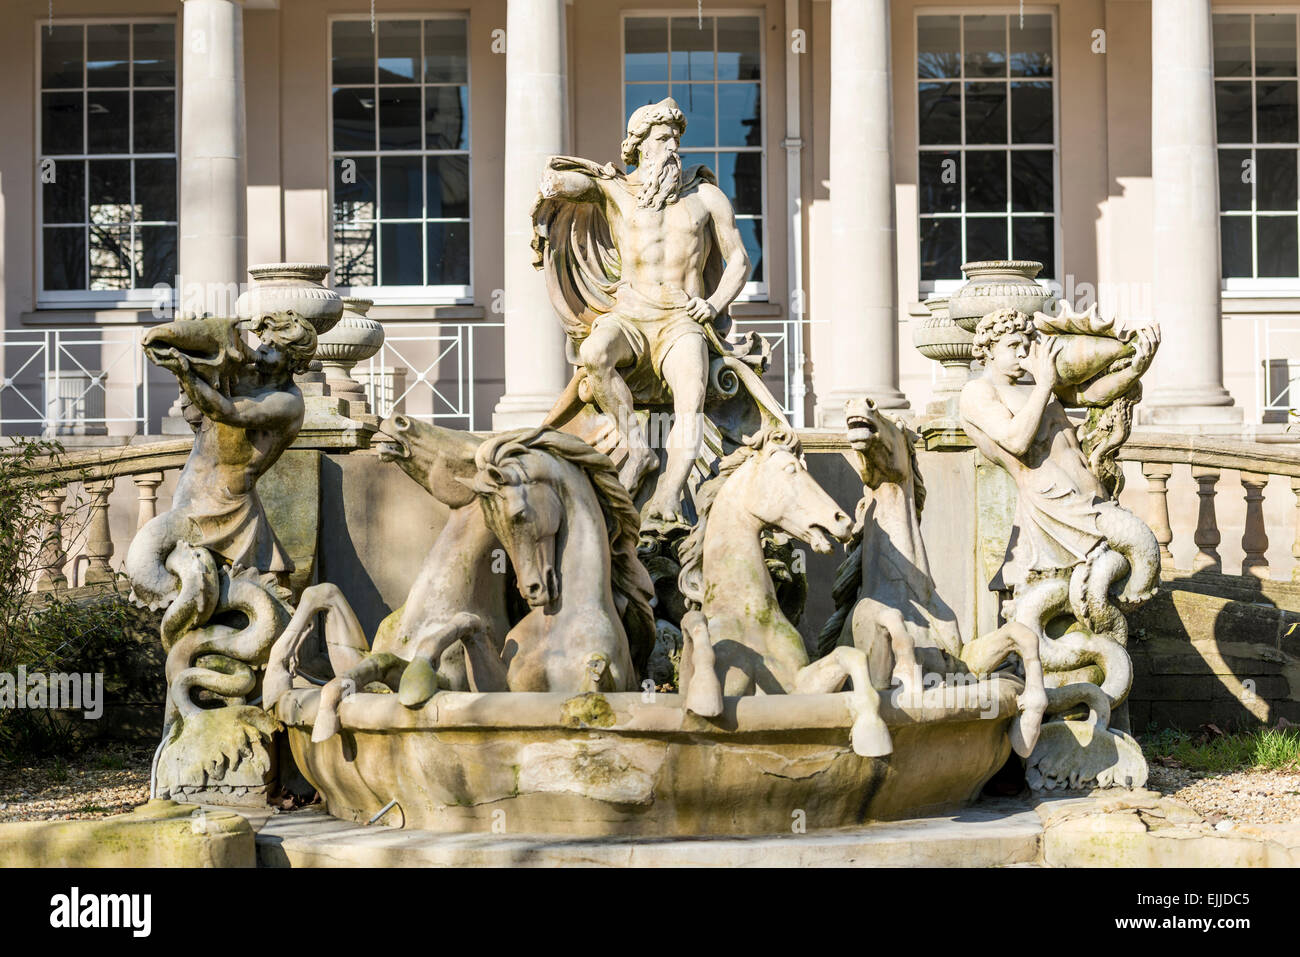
(104, 780)
(1242, 797)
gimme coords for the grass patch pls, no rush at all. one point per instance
(110, 762)
(1273, 749)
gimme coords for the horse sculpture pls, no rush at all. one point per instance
(736, 641)
(568, 528)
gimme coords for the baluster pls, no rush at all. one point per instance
(49, 575)
(1254, 540)
(1295, 543)
(99, 542)
(146, 485)
(1158, 507)
(1207, 525)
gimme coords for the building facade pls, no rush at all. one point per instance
(1145, 151)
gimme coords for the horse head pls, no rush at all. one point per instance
(883, 447)
(779, 491)
(518, 487)
(440, 460)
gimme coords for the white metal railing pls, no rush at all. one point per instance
(429, 370)
(785, 375)
(1277, 368)
(58, 380)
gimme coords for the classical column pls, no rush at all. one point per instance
(861, 306)
(1188, 379)
(213, 256)
(535, 370)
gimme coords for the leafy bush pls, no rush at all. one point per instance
(49, 631)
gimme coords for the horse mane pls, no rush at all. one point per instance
(628, 576)
(691, 551)
(848, 577)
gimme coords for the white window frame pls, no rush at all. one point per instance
(753, 291)
(139, 297)
(403, 295)
(1239, 287)
(943, 287)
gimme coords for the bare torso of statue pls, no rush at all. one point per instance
(669, 245)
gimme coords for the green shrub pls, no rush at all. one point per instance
(1273, 749)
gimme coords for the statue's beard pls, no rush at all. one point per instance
(662, 183)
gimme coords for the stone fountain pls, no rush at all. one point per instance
(601, 639)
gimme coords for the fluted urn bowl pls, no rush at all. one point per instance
(997, 284)
(937, 336)
(633, 764)
(292, 287)
(354, 338)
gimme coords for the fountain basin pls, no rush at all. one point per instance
(628, 764)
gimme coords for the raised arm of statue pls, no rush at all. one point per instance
(272, 409)
(571, 185)
(732, 246)
(1014, 432)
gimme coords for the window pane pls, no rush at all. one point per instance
(401, 254)
(354, 119)
(110, 191)
(354, 255)
(986, 182)
(399, 51)
(399, 118)
(1232, 44)
(63, 198)
(64, 258)
(751, 231)
(155, 54)
(1234, 234)
(401, 190)
(696, 101)
(110, 257)
(354, 189)
(353, 52)
(940, 182)
(1031, 46)
(1232, 112)
(738, 48)
(155, 189)
(692, 49)
(107, 121)
(1032, 238)
(740, 176)
(1031, 113)
(986, 238)
(61, 123)
(155, 255)
(446, 117)
(986, 46)
(1275, 44)
(739, 115)
(1234, 179)
(155, 121)
(108, 54)
(938, 46)
(445, 46)
(61, 57)
(646, 48)
(940, 249)
(447, 190)
(1032, 181)
(1277, 247)
(1275, 179)
(939, 108)
(1275, 116)
(448, 252)
(986, 112)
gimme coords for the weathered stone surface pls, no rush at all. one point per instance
(157, 834)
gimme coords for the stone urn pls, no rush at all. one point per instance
(296, 287)
(997, 284)
(354, 338)
(938, 337)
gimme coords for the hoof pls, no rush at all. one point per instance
(419, 683)
(871, 737)
(274, 686)
(327, 725)
(704, 698)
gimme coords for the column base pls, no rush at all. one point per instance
(830, 409)
(522, 411)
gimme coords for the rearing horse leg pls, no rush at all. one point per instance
(826, 675)
(984, 654)
(345, 642)
(698, 672)
(420, 680)
(383, 667)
